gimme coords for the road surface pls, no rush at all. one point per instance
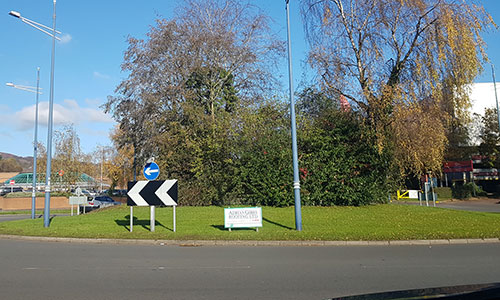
(481, 204)
(45, 270)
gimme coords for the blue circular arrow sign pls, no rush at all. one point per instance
(151, 171)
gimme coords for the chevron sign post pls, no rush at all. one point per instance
(152, 193)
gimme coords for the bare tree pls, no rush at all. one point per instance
(207, 47)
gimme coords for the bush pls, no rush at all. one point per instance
(341, 164)
(265, 172)
(466, 191)
(444, 193)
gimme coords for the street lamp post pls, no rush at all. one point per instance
(496, 97)
(296, 179)
(35, 138)
(52, 33)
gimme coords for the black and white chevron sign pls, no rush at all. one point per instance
(152, 193)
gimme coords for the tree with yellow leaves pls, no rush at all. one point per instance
(406, 65)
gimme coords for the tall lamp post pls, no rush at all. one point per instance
(496, 97)
(296, 179)
(35, 138)
(52, 33)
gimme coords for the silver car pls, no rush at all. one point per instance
(105, 201)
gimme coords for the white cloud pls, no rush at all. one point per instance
(93, 102)
(101, 76)
(69, 112)
(66, 38)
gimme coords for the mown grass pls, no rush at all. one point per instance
(374, 222)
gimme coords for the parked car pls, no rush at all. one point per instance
(105, 201)
(7, 189)
(91, 205)
(89, 193)
(119, 193)
(99, 202)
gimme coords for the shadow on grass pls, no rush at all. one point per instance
(222, 228)
(277, 224)
(146, 224)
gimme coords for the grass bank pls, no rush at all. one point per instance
(374, 222)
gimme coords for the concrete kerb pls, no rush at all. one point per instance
(219, 243)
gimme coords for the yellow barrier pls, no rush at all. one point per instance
(402, 196)
(407, 194)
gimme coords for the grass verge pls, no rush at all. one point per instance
(374, 222)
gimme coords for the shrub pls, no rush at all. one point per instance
(466, 191)
(341, 163)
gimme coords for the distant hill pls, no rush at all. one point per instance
(25, 162)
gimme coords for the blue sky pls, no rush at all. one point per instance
(88, 60)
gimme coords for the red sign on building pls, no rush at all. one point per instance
(457, 166)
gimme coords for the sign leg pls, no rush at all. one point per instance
(71, 209)
(174, 216)
(131, 218)
(426, 189)
(152, 216)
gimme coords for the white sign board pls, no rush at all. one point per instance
(413, 194)
(77, 200)
(243, 217)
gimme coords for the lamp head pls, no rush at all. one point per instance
(9, 84)
(15, 14)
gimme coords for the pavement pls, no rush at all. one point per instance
(249, 243)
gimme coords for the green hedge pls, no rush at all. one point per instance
(466, 191)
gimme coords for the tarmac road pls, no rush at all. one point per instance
(5, 218)
(480, 204)
(8, 217)
(45, 270)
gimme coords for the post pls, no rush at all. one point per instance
(496, 97)
(131, 218)
(46, 212)
(152, 217)
(102, 162)
(35, 146)
(426, 189)
(296, 179)
(174, 216)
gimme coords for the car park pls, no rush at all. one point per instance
(10, 189)
(99, 202)
(119, 193)
(105, 201)
(89, 193)
(91, 205)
